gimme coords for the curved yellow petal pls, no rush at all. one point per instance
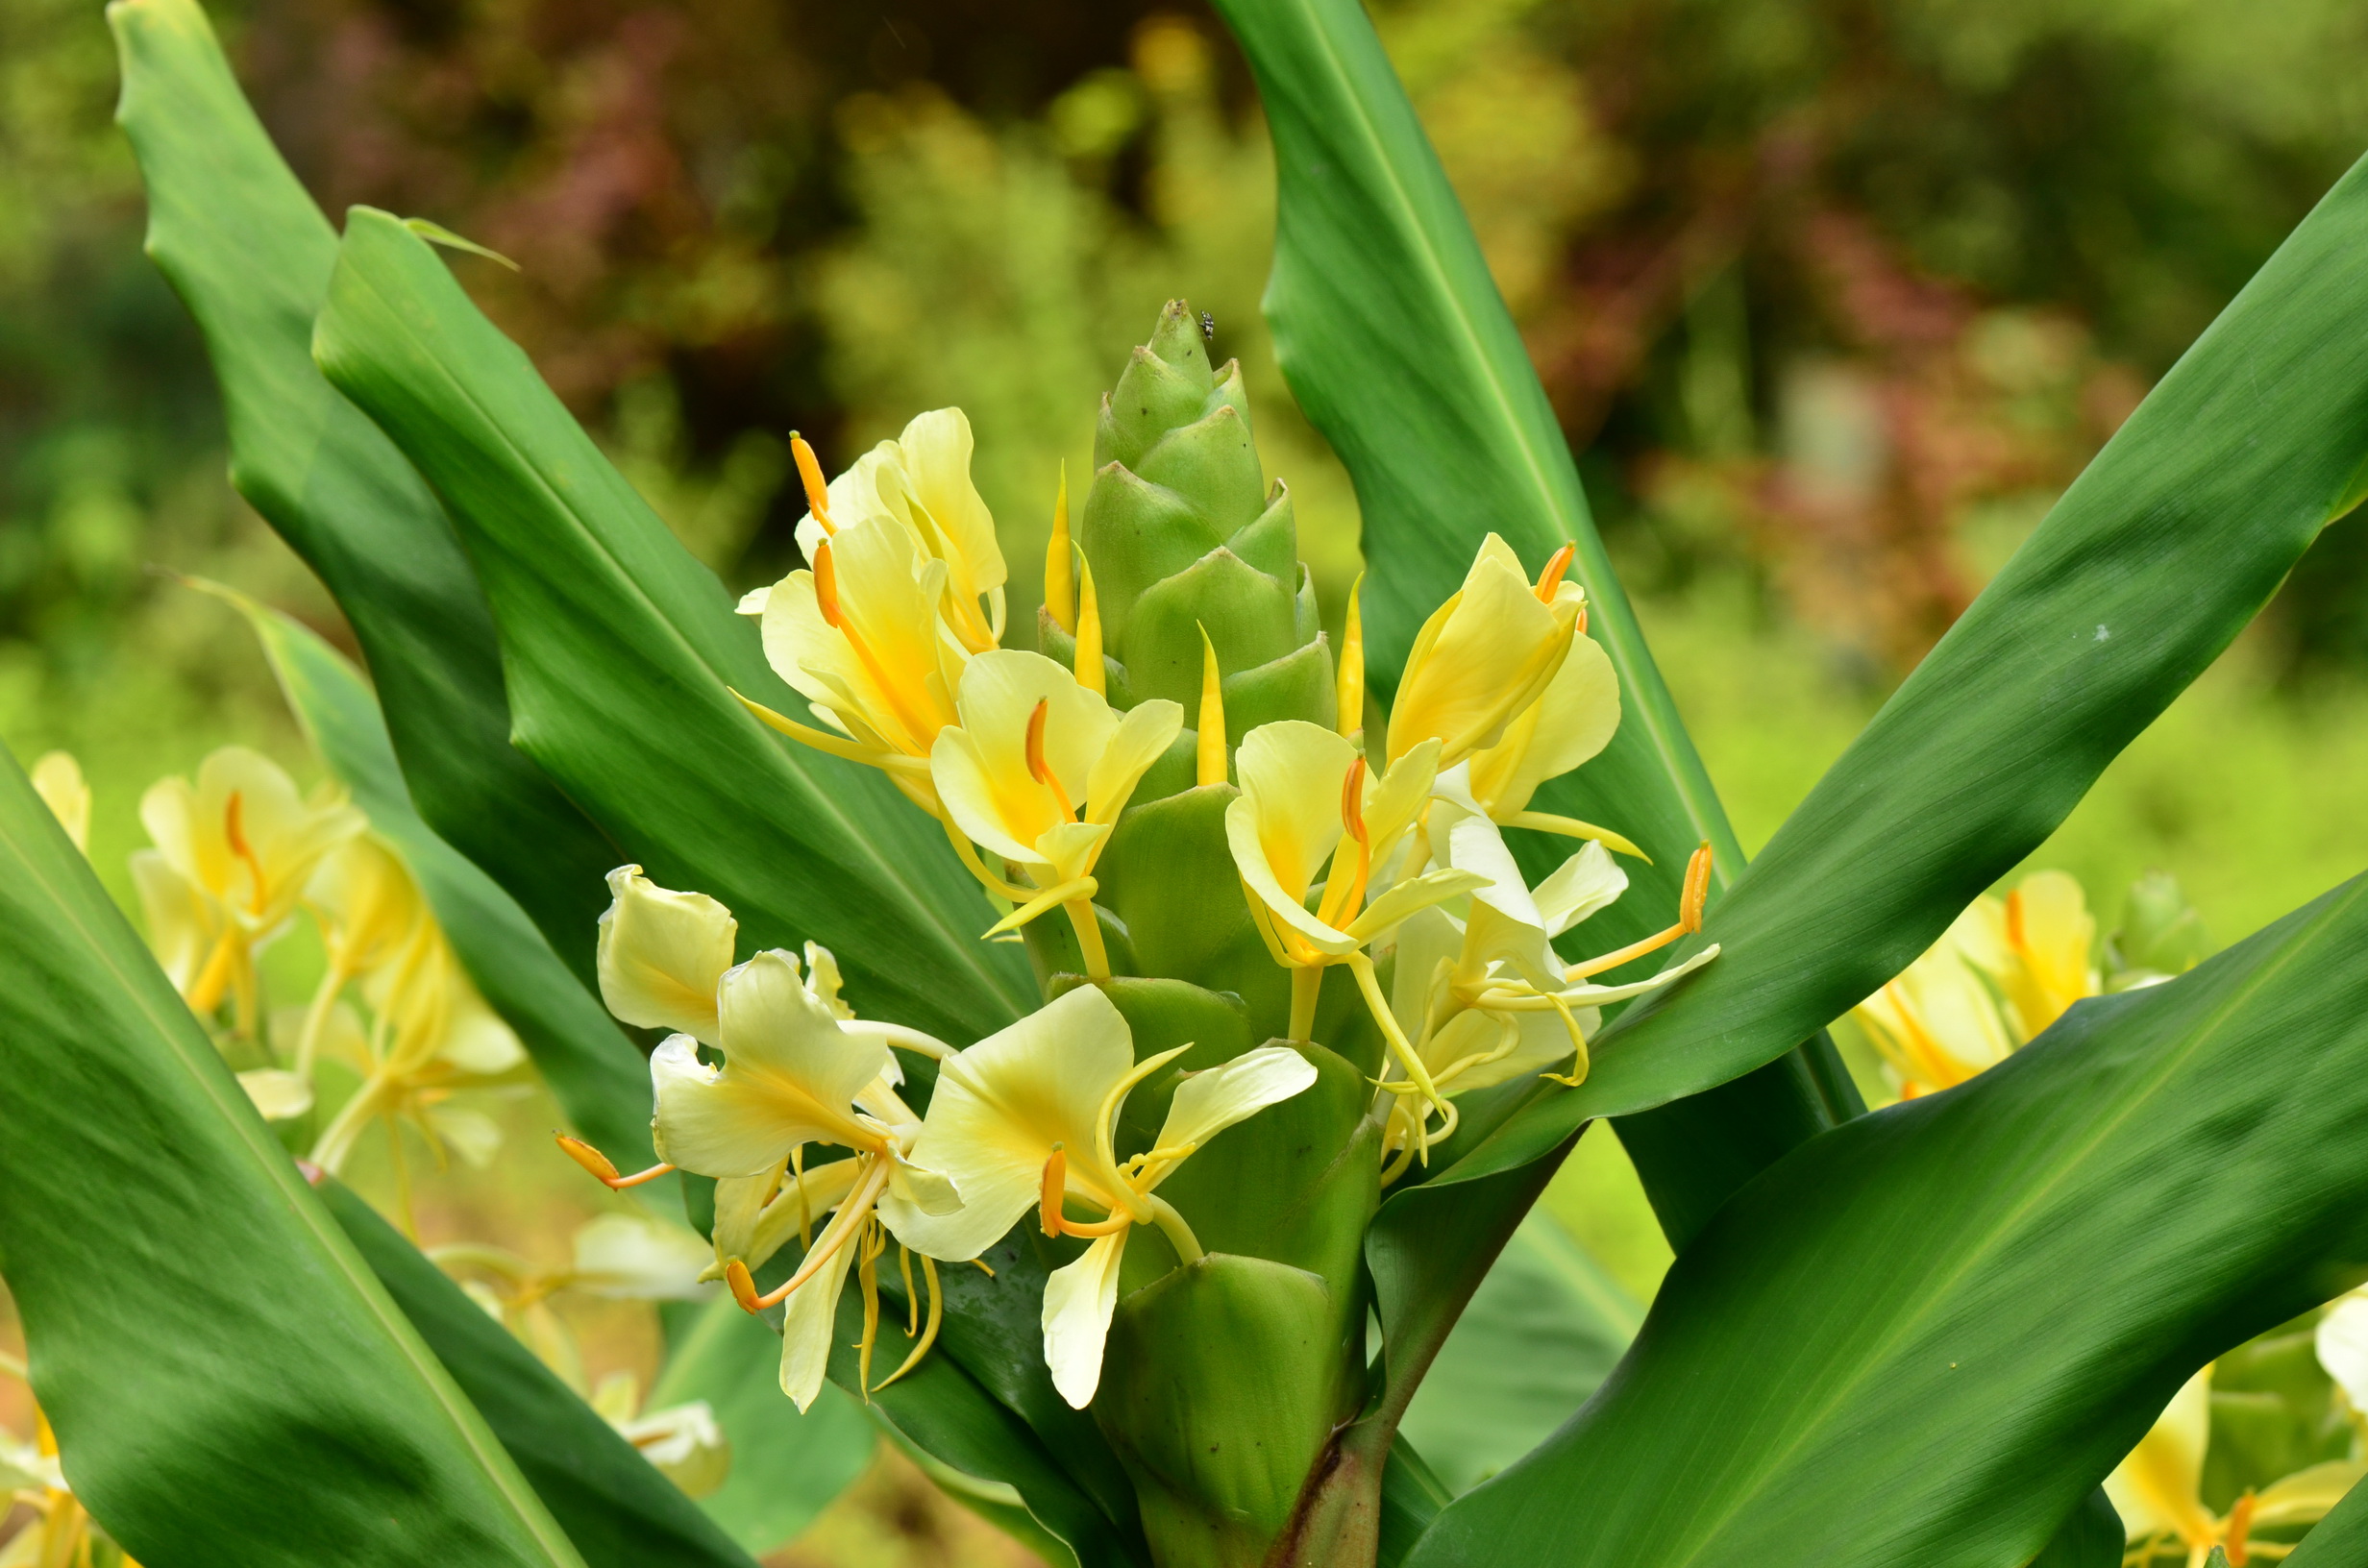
(1573, 720)
(662, 953)
(1079, 1298)
(809, 1320)
(1209, 1101)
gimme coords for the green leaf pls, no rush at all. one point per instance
(1397, 346)
(2091, 1538)
(2340, 1539)
(1541, 1334)
(785, 1467)
(598, 1074)
(250, 256)
(2162, 552)
(228, 1381)
(613, 1504)
(622, 653)
(1926, 1335)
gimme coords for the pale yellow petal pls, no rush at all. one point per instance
(1079, 1301)
(466, 1131)
(2307, 1495)
(662, 953)
(937, 469)
(58, 778)
(1253, 858)
(685, 1444)
(1587, 882)
(1573, 720)
(1405, 897)
(633, 1258)
(2342, 1342)
(742, 1117)
(802, 1204)
(1142, 737)
(809, 1324)
(2158, 1486)
(1000, 1106)
(1427, 939)
(183, 921)
(1394, 800)
(974, 796)
(2052, 932)
(1291, 775)
(277, 1095)
(1484, 661)
(1212, 1100)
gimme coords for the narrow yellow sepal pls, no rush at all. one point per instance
(1088, 669)
(1351, 686)
(1210, 754)
(1060, 564)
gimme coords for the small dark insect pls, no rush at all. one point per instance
(1208, 326)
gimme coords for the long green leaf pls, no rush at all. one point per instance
(597, 1073)
(1926, 1335)
(228, 1381)
(1400, 350)
(2341, 1540)
(622, 653)
(2162, 552)
(785, 1467)
(250, 256)
(613, 1504)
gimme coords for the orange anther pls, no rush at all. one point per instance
(2240, 1527)
(602, 1168)
(810, 473)
(743, 1287)
(1551, 578)
(1352, 800)
(1048, 1199)
(1581, 627)
(1038, 768)
(1697, 890)
(826, 583)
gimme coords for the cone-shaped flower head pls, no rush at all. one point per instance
(1181, 536)
(1484, 658)
(796, 1071)
(234, 853)
(1022, 1120)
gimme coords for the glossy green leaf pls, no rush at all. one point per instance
(785, 1467)
(1539, 1336)
(250, 256)
(1399, 347)
(2341, 1540)
(598, 1074)
(622, 653)
(2093, 1537)
(1926, 1335)
(228, 1381)
(2162, 552)
(613, 1504)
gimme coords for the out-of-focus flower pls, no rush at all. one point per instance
(61, 1534)
(58, 779)
(683, 1441)
(2158, 1492)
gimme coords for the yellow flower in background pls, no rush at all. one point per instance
(683, 1442)
(2158, 1492)
(233, 854)
(62, 1534)
(1024, 1120)
(1037, 774)
(2003, 972)
(796, 1071)
(1484, 657)
(58, 779)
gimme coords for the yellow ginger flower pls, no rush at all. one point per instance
(682, 1442)
(1485, 998)
(1024, 1120)
(1484, 656)
(794, 1073)
(1037, 774)
(234, 853)
(2158, 1492)
(61, 1534)
(58, 779)
(2003, 971)
(1308, 805)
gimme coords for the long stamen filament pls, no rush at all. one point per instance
(837, 745)
(1689, 921)
(1570, 827)
(852, 1216)
(919, 733)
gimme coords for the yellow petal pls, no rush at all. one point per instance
(1572, 720)
(1290, 776)
(1405, 897)
(809, 1322)
(1427, 939)
(1142, 737)
(982, 772)
(1585, 883)
(1483, 657)
(1253, 857)
(685, 1443)
(1209, 1101)
(2158, 1486)
(1079, 1298)
(58, 778)
(662, 953)
(184, 920)
(2342, 1342)
(802, 1204)
(277, 1095)
(631, 1258)
(1000, 1106)
(1392, 800)
(937, 470)
(2050, 928)
(370, 900)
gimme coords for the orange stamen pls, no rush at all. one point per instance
(233, 828)
(2240, 1525)
(1048, 1198)
(827, 586)
(1038, 768)
(602, 1168)
(743, 1287)
(1352, 800)
(1551, 578)
(817, 492)
(1697, 890)
(1344, 897)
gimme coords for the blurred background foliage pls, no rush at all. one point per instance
(1833, 297)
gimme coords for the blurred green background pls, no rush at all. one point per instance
(1833, 297)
